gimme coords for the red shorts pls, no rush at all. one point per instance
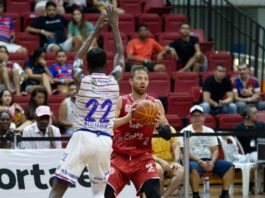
(137, 169)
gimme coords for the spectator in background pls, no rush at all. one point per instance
(62, 72)
(66, 111)
(204, 154)
(38, 97)
(246, 90)
(101, 4)
(188, 51)
(51, 30)
(167, 158)
(86, 6)
(250, 122)
(37, 72)
(42, 128)
(11, 74)
(40, 5)
(7, 32)
(141, 49)
(79, 27)
(217, 93)
(15, 110)
(5, 130)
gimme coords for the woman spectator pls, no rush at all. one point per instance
(78, 26)
(38, 97)
(15, 110)
(37, 72)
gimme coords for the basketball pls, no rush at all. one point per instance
(145, 112)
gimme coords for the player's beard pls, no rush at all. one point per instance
(140, 90)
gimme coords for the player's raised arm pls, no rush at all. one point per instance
(119, 62)
(78, 63)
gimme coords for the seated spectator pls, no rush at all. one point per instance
(11, 74)
(38, 97)
(62, 72)
(37, 72)
(204, 154)
(167, 158)
(101, 4)
(141, 49)
(42, 128)
(86, 6)
(250, 122)
(217, 93)
(246, 90)
(188, 51)
(51, 31)
(15, 110)
(79, 27)
(40, 5)
(7, 32)
(66, 111)
(5, 130)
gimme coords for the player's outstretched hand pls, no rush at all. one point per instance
(102, 21)
(113, 16)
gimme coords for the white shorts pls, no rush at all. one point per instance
(86, 149)
(66, 45)
(11, 47)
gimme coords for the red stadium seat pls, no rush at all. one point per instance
(126, 23)
(18, 5)
(179, 104)
(219, 57)
(159, 83)
(205, 75)
(228, 121)
(183, 81)
(22, 101)
(166, 38)
(171, 64)
(125, 86)
(108, 42)
(204, 45)
(196, 94)
(157, 6)
(131, 6)
(92, 18)
(152, 21)
(29, 41)
(28, 18)
(20, 58)
(174, 21)
(174, 121)
(16, 20)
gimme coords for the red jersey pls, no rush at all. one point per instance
(132, 139)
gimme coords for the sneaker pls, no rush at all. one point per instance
(225, 196)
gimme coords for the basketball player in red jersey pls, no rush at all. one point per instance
(132, 154)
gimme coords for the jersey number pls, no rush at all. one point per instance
(94, 103)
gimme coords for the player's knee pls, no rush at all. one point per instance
(151, 188)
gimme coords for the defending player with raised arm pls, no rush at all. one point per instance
(132, 157)
(96, 101)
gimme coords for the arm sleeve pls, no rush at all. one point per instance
(206, 85)
(52, 70)
(36, 23)
(256, 86)
(130, 47)
(195, 40)
(12, 25)
(229, 85)
(181, 144)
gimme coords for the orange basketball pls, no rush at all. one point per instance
(145, 112)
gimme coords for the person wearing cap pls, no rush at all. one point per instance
(204, 154)
(42, 128)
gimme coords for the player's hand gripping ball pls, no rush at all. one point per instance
(145, 112)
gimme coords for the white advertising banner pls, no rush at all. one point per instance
(28, 174)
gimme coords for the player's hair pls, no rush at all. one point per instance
(50, 3)
(138, 68)
(96, 58)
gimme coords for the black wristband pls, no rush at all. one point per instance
(164, 131)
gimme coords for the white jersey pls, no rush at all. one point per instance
(96, 103)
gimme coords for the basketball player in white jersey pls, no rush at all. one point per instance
(91, 143)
